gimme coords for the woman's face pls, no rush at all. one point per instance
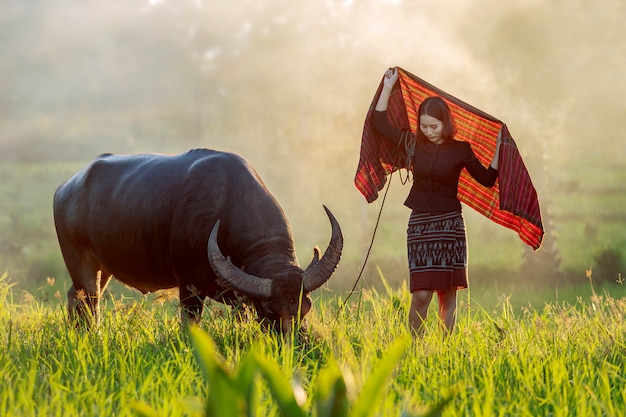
(432, 128)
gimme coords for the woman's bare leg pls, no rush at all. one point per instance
(419, 310)
(447, 308)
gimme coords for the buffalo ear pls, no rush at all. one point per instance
(316, 257)
(319, 272)
(251, 286)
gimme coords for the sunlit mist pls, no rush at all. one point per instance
(287, 85)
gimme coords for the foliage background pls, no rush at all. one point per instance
(287, 84)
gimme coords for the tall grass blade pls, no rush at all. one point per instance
(245, 379)
(437, 411)
(280, 387)
(388, 289)
(373, 389)
(144, 410)
(222, 397)
(332, 398)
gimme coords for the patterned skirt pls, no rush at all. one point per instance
(437, 251)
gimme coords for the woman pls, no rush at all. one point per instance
(436, 241)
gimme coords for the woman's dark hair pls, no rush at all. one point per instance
(437, 108)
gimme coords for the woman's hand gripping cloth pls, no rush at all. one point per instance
(512, 202)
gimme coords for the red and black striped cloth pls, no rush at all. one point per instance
(512, 202)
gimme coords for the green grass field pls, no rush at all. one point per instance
(563, 359)
(525, 344)
(539, 333)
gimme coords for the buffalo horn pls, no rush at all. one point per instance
(251, 286)
(319, 272)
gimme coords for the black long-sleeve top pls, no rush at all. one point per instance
(436, 170)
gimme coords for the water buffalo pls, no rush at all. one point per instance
(202, 221)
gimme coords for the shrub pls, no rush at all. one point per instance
(607, 266)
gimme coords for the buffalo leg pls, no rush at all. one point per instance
(83, 304)
(82, 307)
(191, 303)
(83, 297)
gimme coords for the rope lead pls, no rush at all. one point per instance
(408, 140)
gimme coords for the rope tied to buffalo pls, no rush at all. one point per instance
(405, 148)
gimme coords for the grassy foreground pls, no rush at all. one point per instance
(562, 360)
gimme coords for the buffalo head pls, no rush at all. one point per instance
(284, 295)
